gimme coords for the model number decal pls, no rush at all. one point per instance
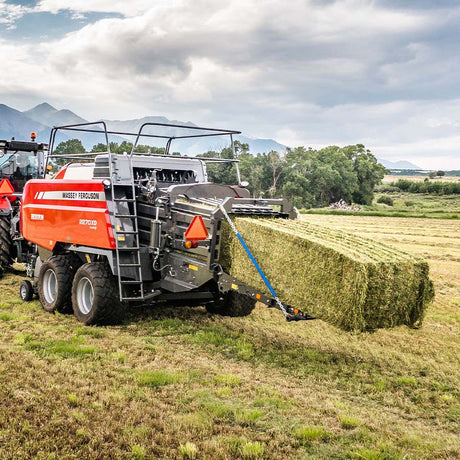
(89, 222)
(37, 217)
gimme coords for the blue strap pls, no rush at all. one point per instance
(261, 273)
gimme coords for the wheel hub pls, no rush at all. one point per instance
(85, 295)
(50, 286)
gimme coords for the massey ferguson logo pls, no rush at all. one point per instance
(71, 195)
(80, 195)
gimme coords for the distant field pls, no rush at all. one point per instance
(417, 205)
(178, 383)
(443, 206)
(394, 178)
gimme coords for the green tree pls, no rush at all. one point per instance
(66, 149)
(369, 172)
(255, 170)
(224, 173)
(297, 185)
(317, 178)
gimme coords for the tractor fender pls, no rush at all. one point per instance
(5, 206)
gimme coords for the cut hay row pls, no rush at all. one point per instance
(349, 281)
(365, 246)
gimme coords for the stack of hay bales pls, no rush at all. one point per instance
(349, 281)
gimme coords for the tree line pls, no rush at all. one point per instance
(433, 188)
(311, 178)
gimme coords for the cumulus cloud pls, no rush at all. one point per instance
(10, 13)
(307, 72)
(131, 8)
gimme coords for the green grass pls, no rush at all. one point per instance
(308, 434)
(238, 388)
(157, 378)
(414, 205)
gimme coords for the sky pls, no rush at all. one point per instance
(384, 73)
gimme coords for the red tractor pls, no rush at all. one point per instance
(20, 161)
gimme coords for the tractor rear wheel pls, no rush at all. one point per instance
(95, 295)
(232, 304)
(6, 243)
(55, 283)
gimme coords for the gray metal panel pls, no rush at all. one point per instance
(188, 273)
(171, 162)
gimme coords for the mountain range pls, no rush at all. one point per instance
(40, 119)
(399, 165)
(43, 117)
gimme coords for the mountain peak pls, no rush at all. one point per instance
(401, 164)
(47, 114)
(44, 106)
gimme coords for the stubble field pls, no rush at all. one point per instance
(179, 383)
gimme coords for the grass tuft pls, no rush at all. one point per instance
(307, 434)
(73, 399)
(188, 450)
(138, 452)
(252, 450)
(157, 378)
(230, 380)
(348, 422)
(247, 417)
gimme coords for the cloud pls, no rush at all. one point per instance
(128, 9)
(10, 13)
(307, 72)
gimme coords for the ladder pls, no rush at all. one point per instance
(128, 258)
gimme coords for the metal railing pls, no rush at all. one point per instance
(198, 132)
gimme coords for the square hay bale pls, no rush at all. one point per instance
(352, 282)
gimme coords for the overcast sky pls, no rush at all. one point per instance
(385, 73)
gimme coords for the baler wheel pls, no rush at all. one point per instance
(232, 304)
(6, 243)
(26, 291)
(55, 283)
(95, 295)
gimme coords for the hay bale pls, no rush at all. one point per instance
(349, 281)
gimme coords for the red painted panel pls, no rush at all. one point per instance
(67, 211)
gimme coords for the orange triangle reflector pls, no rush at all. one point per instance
(5, 187)
(196, 231)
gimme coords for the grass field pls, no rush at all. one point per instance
(178, 383)
(417, 205)
(389, 178)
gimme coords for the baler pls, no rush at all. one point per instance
(114, 229)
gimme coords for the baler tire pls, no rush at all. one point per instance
(6, 243)
(55, 283)
(232, 304)
(26, 291)
(95, 298)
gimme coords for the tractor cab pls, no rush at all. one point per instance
(21, 161)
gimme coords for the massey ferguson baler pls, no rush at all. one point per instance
(111, 229)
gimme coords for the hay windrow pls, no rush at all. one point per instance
(349, 281)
